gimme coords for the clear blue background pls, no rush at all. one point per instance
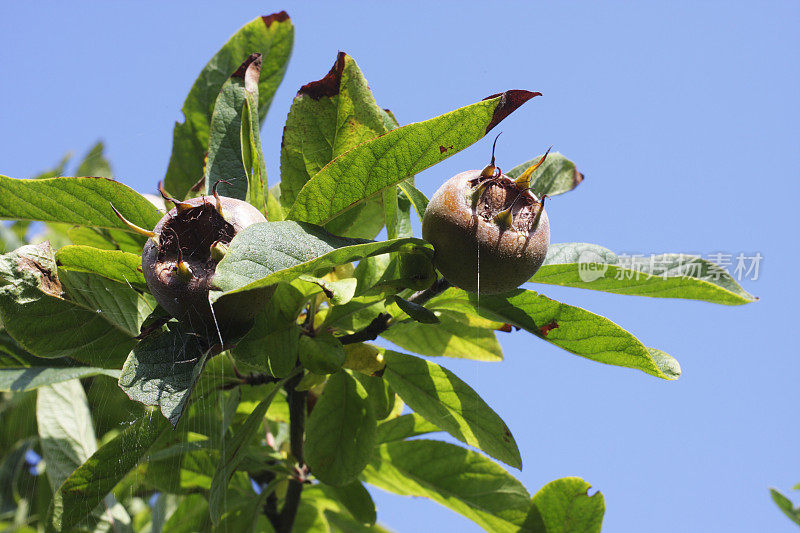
(684, 118)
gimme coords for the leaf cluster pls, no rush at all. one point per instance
(141, 425)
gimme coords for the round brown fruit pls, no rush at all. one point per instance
(179, 261)
(489, 231)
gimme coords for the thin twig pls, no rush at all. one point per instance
(382, 322)
(250, 379)
(297, 419)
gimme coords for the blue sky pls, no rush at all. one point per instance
(684, 118)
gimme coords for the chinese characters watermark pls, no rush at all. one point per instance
(718, 266)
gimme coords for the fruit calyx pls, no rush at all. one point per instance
(510, 203)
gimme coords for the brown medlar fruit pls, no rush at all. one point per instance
(180, 257)
(489, 231)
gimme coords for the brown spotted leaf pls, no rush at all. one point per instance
(329, 117)
(272, 36)
(571, 328)
(389, 159)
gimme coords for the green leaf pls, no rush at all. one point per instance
(383, 275)
(51, 320)
(94, 163)
(65, 429)
(190, 516)
(57, 170)
(271, 345)
(364, 358)
(163, 369)
(588, 266)
(557, 175)
(461, 480)
(454, 336)
(321, 354)
(271, 36)
(233, 452)
(327, 118)
(391, 158)
(106, 239)
(357, 500)
(339, 292)
(182, 464)
(404, 427)
(83, 201)
(379, 393)
(574, 329)
(30, 378)
(266, 253)
(416, 311)
(115, 265)
(94, 479)
(444, 400)
(253, 155)
(120, 305)
(786, 505)
(340, 432)
(226, 150)
(564, 506)
(417, 198)
(67, 438)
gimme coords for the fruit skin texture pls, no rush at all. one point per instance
(193, 231)
(461, 233)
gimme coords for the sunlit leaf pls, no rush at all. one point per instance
(557, 175)
(453, 336)
(233, 452)
(564, 506)
(271, 345)
(574, 329)
(403, 152)
(321, 354)
(84, 201)
(68, 440)
(95, 163)
(94, 479)
(329, 117)
(226, 150)
(266, 253)
(462, 480)
(786, 505)
(404, 427)
(357, 500)
(115, 265)
(30, 378)
(443, 399)
(340, 432)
